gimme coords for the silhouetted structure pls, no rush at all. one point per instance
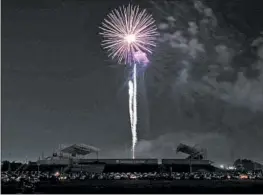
(248, 165)
(193, 152)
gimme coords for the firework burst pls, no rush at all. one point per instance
(129, 34)
(127, 30)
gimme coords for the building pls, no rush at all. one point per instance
(74, 158)
(71, 158)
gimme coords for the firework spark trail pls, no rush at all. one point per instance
(133, 108)
(131, 101)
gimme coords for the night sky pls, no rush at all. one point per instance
(59, 87)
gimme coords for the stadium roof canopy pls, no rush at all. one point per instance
(187, 149)
(191, 151)
(80, 149)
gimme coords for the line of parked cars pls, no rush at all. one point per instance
(36, 177)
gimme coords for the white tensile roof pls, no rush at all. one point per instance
(80, 149)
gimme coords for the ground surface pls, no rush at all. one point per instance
(146, 186)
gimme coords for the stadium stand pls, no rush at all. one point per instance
(74, 158)
(193, 152)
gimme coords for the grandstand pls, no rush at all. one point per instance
(80, 150)
(187, 165)
(74, 158)
(194, 162)
(131, 165)
(70, 154)
(71, 158)
(193, 152)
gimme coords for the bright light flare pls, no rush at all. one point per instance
(126, 30)
(57, 174)
(130, 38)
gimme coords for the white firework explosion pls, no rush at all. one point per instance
(127, 30)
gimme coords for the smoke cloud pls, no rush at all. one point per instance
(214, 78)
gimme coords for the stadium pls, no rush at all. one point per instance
(69, 170)
(74, 158)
